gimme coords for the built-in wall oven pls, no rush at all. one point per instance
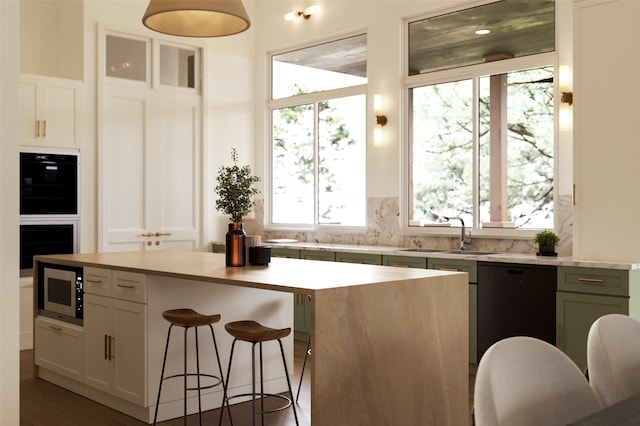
(49, 205)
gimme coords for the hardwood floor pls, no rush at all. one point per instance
(45, 404)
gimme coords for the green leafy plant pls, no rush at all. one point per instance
(235, 189)
(546, 238)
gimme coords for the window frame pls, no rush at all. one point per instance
(472, 72)
(305, 99)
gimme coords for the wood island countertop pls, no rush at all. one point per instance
(282, 274)
(390, 345)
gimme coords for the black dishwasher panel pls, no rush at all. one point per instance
(515, 300)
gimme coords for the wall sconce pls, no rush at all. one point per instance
(566, 98)
(306, 13)
(381, 120)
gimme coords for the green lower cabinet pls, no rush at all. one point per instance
(363, 258)
(329, 256)
(473, 327)
(217, 248)
(471, 268)
(285, 252)
(301, 317)
(404, 261)
(575, 312)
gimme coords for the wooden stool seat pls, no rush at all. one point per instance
(251, 331)
(256, 334)
(189, 318)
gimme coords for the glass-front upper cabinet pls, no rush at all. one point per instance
(137, 61)
(127, 58)
(178, 66)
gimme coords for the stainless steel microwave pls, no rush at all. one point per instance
(60, 292)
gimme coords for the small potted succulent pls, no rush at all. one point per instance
(235, 192)
(546, 241)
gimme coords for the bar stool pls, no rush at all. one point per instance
(188, 318)
(255, 333)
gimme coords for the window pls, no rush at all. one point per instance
(318, 137)
(481, 125)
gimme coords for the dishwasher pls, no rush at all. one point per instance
(515, 300)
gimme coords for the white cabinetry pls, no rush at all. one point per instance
(49, 112)
(60, 347)
(116, 340)
(149, 151)
(606, 133)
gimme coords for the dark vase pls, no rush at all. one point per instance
(235, 245)
(547, 250)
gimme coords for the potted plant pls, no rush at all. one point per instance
(547, 241)
(235, 192)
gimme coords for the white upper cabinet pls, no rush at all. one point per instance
(150, 145)
(606, 132)
(49, 112)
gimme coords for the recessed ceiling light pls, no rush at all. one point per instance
(482, 32)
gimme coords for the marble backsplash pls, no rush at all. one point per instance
(383, 228)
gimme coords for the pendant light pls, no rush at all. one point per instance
(196, 18)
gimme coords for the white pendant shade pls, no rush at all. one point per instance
(196, 18)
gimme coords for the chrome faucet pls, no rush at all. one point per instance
(463, 237)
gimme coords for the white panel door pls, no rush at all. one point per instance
(150, 170)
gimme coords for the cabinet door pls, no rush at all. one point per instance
(575, 313)
(364, 258)
(302, 317)
(473, 323)
(150, 171)
(97, 326)
(129, 351)
(605, 156)
(59, 348)
(404, 261)
(49, 112)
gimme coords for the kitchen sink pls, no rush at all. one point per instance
(477, 253)
(426, 250)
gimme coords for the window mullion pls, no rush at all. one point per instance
(316, 162)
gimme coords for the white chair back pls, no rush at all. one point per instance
(613, 358)
(527, 382)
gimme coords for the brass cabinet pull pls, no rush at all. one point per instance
(55, 327)
(106, 356)
(111, 339)
(127, 286)
(89, 280)
(147, 234)
(44, 126)
(37, 128)
(160, 234)
(591, 280)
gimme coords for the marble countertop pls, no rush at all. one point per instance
(525, 258)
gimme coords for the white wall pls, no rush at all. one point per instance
(9, 280)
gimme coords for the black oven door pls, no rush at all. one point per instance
(48, 184)
(45, 238)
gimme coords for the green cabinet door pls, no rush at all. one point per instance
(473, 326)
(575, 312)
(318, 255)
(365, 258)
(404, 261)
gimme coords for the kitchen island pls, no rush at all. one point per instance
(390, 345)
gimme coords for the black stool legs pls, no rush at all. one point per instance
(307, 352)
(186, 374)
(262, 412)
